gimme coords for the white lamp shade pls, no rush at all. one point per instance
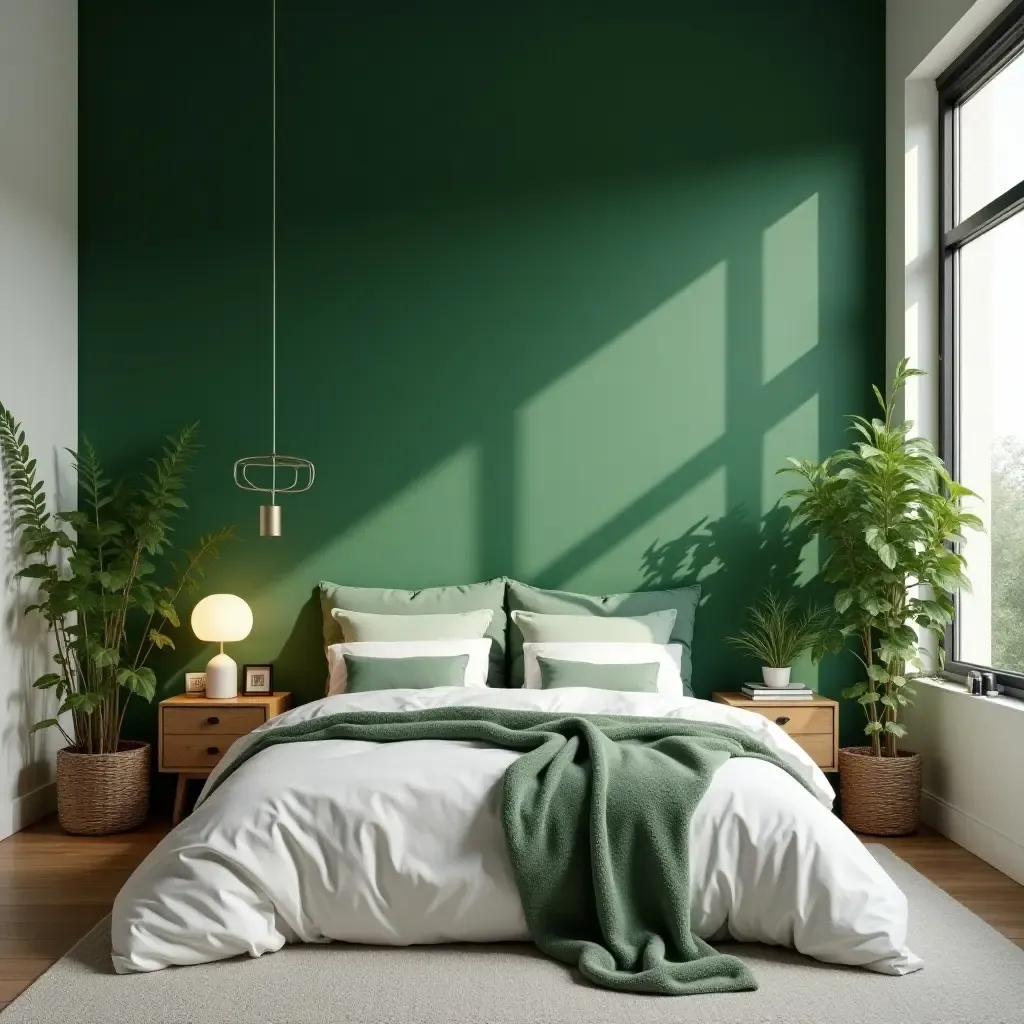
(222, 618)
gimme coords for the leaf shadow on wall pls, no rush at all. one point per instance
(733, 559)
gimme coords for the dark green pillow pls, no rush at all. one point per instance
(555, 673)
(521, 597)
(430, 601)
(366, 674)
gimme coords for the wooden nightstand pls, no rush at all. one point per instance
(814, 723)
(195, 733)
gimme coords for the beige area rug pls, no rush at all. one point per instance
(972, 976)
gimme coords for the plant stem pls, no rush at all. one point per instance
(872, 712)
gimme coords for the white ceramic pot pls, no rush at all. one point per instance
(775, 677)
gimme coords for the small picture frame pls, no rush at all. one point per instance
(195, 683)
(257, 680)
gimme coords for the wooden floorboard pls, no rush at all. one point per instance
(54, 888)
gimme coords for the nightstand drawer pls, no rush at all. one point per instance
(214, 722)
(821, 747)
(186, 753)
(795, 719)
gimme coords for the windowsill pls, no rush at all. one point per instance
(958, 689)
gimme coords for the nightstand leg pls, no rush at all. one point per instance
(179, 798)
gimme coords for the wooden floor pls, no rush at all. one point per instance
(54, 888)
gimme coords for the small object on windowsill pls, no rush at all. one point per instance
(974, 682)
(991, 689)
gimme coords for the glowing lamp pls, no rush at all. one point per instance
(221, 618)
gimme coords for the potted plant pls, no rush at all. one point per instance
(97, 569)
(778, 636)
(889, 512)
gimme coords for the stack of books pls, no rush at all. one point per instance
(758, 691)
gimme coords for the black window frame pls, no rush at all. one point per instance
(1002, 43)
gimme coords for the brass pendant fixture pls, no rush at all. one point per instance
(298, 474)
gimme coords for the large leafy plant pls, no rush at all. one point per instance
(101, 589)
(894, 521)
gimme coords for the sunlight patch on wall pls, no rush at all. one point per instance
(911, 199)
(795, 435)
(790, 288)
(624, 566)
(613, 427)
(912, 347)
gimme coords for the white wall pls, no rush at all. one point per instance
(971, 746)
(973, 758)
(38, 345)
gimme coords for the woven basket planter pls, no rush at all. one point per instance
(881, 795)
(102, 793)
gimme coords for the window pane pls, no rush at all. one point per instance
(991, 443)
(992, 140)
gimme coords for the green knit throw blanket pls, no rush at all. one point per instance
(596, 816)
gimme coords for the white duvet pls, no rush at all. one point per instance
(401, 843)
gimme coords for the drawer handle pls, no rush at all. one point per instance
(213, 750)
(213, 720)
(782, 720)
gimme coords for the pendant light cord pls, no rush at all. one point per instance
(273, 358)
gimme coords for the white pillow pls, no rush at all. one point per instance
(669, 658)
(476, 668)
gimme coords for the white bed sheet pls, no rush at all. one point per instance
(401, 843)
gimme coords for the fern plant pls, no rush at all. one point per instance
(780, 632)
(893, 521)
(98, 573)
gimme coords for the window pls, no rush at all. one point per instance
(981, 118)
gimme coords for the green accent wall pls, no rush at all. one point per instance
(558, 290)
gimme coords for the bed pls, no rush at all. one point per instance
(401, 843)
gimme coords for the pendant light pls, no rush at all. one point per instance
(302, 472)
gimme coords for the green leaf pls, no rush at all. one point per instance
(843, 600)
(853, 692)
(896, 729)
(86, 701)
(876, 605)
(887, 553)
(141, 681)
(878, 674)
(36, 571)
(873, 727)
(160, 641)
(105, 657)
(870, 697)
(169, 612)
(46, 723)
(46, 682)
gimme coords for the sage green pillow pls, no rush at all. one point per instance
(431, 601)
(366, 674)
(522, 597)
(536, 628)
(555, 674)
(369, 627)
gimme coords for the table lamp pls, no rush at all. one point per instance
(222, 618)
